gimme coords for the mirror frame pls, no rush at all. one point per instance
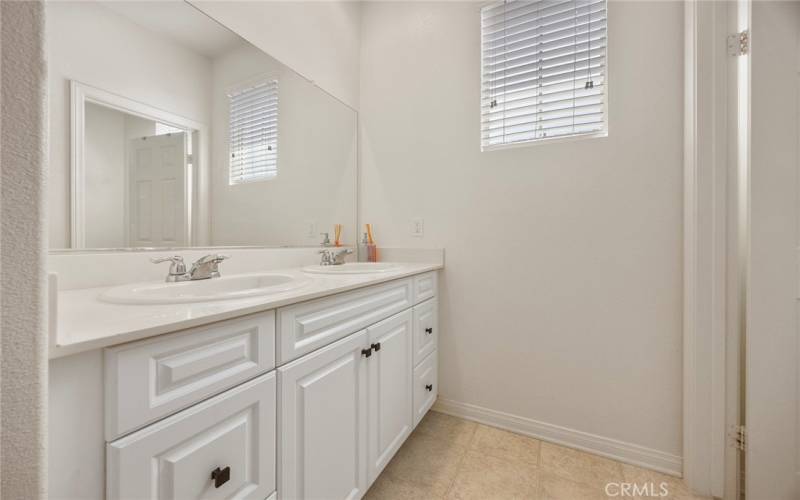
(80, 95)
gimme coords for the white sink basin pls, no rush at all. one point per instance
(225, 288)
(353, 268)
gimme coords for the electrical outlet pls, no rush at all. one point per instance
(311, 229)
(418, 228)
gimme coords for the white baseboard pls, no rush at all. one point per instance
(599, 445)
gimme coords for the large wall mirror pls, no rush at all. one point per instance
(169, 130)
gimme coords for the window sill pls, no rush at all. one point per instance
(546, 140)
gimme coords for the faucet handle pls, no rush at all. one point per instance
(171, 258)
(213, 257)
(177, 266)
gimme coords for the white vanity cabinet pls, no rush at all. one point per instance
(345, 411)
(307, 401)
(347, 408)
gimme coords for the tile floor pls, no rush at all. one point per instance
(449, 458)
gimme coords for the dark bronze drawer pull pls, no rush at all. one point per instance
(221, 476)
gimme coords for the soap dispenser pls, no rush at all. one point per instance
(363, 249)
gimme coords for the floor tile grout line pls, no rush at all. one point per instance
(457, 472)
(467, 449)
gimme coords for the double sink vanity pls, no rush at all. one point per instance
(293, 383)
(201, 344)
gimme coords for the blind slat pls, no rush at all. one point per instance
(253, 133)
(546, 22)
(545, 33)
(543, 70)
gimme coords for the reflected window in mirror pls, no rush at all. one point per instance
(254, 132)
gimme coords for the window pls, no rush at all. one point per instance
(543, 70)
(254, 133)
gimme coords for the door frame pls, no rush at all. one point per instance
(713, 318)
(195, 188)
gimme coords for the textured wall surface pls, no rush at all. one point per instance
(23, 362)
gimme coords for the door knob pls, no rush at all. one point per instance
(376, 346)
(221, 476)
(366, 352)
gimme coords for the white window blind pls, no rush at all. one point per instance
(254, 133)
(543, 70)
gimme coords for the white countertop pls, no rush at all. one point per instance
(85, 323)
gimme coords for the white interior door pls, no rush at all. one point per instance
(771, 367)
(157, 209)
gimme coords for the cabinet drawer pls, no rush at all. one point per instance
(426, 386)
(153, 378)
(426, 329)
(175, 458)
(425, 286)
(310, 325)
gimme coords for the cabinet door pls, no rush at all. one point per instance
(390, 390)
(221, 448)
(426, 386)
(426, 329)
(322, 424)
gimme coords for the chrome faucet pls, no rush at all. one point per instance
(204, 268)
(207, 267)
(334, 257)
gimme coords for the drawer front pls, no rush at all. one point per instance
(148, 380)
(426, 386)
(232, 433)
(308, 326)
(426, 329)
(425, 286)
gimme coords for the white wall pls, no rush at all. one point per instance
(89, 43)
(773, 452)
(316, 181)
(561, 300)
(320, 40)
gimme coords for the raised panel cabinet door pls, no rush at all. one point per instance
(221, 448)
(322, 423)
(426, 329)
(390, 391)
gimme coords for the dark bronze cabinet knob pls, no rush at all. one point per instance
(429, 330)
(221, 476)
(429, 387)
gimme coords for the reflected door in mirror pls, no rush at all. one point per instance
(157, 197)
